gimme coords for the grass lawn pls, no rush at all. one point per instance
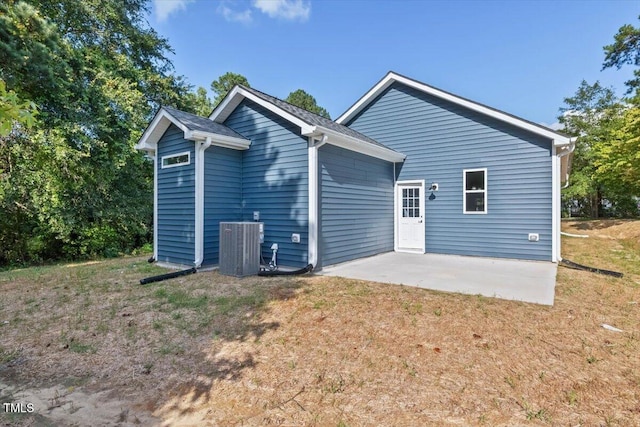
(87, 345)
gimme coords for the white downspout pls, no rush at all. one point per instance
(557, 220)
(312, 248)
(572, 147)
(154, 157)
(199, 202)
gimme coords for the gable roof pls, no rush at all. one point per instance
(195, 128)
(559, 139)
(202, 124)
(311, 124)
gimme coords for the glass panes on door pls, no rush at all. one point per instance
(410, 202)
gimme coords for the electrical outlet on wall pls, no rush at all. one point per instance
(295, 238)
(534, 237)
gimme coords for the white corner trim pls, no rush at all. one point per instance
(313, 200)
(555, 206)
(391, 77)
(199, 201)
(395, 211)
(237, 94)
(464, 192)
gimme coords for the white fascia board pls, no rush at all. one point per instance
(390, 78)
(359, 146)
(158, 126)
(219, 140)
(380, 87)
(222, 112)
(226, 107)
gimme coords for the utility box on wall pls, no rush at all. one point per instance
(240, 248)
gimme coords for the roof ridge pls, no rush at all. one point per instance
(195, 121)
(300, 113)
(286, 102)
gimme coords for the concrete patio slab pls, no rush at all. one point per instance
(528, 281)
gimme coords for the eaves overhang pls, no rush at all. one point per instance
(163, 119)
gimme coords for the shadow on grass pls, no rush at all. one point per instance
(238, 312)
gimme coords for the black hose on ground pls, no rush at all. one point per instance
(151, 260)
(268, 273)
(162, 277)
(576, 266)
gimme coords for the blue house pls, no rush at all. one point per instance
(408, 168)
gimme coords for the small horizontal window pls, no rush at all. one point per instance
(180, 159)
(475, 191)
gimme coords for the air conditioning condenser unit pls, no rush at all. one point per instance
(240, 248)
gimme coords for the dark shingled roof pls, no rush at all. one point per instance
(202, 124)
(312, 118)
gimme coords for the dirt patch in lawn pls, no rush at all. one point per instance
(208, 349)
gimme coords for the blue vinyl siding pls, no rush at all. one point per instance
(274, 180)
(176, 201)
(222, 196)
(355, 205)
(442, 139)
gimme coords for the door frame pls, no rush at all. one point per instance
(397, 201)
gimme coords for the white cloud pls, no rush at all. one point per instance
(231, 15)
(164, 8)
(290, 10)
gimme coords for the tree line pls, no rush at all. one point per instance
(79, 82)
(605, 177)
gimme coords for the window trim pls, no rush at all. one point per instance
(465, 192)
(169, 156)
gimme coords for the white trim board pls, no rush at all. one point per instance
(391, 77)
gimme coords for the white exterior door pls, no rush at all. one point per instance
(410, 225)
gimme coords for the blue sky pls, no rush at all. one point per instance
(522, 57)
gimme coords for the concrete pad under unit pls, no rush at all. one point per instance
(528, 281)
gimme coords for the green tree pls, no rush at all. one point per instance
(594, 114)
(13, 110)
(302, 99)
(73, 186)
(225, 83)
(199, 102)
(621, 160)
(625, 49)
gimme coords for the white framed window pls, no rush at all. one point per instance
(179, 159)
(474, 191)
(411, 203)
